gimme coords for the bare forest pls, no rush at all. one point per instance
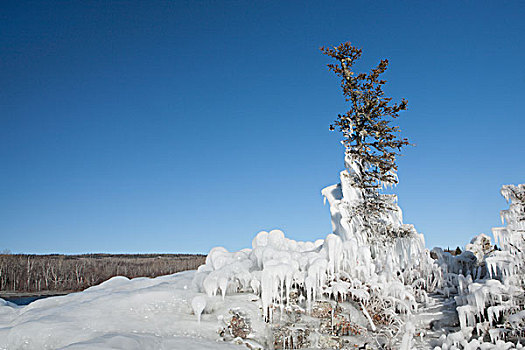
(41, 274)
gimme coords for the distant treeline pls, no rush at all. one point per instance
(22, 273)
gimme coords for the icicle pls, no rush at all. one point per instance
(367, 315)
(198, 304)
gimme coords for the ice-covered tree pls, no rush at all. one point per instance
(372, 142)
(372, 264)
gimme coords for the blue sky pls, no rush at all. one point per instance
(180, 126)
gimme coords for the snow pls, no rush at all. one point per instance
(120, 313)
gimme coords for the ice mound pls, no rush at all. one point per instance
(277, 265)
(382, 265)
(489, 283)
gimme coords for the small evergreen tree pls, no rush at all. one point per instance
(371, 141)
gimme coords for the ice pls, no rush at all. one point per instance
(490, 281)
(406, 342)
(496, 334)
(518, 319)
(276, 263)
(480, 246)
(367, 315)
(380, 263)
(198, 304)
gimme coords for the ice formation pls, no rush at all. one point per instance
(489, 282)
(382, 265)
(198, 304)
(385, 267)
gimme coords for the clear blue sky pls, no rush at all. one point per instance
(178, 126)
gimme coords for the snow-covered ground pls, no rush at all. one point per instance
(141, 313)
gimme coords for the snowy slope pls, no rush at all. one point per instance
(128, 314)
